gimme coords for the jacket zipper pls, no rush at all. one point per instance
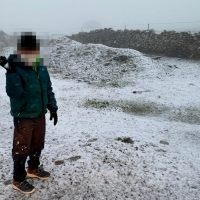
(41, 94)
(38, 77)
(23, 107)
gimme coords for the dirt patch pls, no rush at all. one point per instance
(94, 103)
(190, 115)
(183, 114)
(137, 108)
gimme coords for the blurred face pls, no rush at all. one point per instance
(29, 56)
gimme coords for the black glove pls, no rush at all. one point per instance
(11, 63)
(53, 115)
(3, 61)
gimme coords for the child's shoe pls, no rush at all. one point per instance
(24, 187)
(38, 173)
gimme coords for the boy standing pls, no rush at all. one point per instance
(29, 87)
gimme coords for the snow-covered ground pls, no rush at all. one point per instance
(153, 102)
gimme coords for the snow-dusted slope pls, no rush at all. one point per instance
(158, 108)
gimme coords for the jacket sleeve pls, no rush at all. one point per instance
(14, 88)
(51, 96)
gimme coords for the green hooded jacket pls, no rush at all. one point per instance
(29, 89)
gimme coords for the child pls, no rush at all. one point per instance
(29, 87)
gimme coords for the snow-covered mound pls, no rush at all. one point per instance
(96, 63)
(4, 42)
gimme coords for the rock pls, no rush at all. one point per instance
(135, 92)
(92, 139)
(194, 187)
(161, 150)
(125, 140)
(74, 158)
(87, 145)
(106, 64)
(59, 162)
(164, 142)
(123, 70)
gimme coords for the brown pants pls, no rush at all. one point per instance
(29, 136)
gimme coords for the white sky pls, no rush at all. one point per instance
(68, 16)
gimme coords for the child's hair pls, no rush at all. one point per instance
(28, 42)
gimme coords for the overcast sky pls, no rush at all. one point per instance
(68, 16)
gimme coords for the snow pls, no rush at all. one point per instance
(165, 106)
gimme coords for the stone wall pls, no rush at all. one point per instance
(169, 43)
